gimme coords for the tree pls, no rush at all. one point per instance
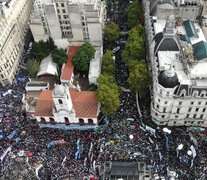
(33, 68)
(51, 44)
(59, 56)
(111, 32)
(139, 77)
(108, 80)
(134, 14)
(83, 57)
(134, 48)
(41, 50)
(109, 99)
(108, 63)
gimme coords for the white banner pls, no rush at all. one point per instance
(193, 151)
(150, 129)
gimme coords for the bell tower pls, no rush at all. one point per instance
(61, 98)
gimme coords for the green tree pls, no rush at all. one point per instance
(134, 48)
(51, 44)
(108, 64)
(33, 68)
(83, 57)
(41, 50)
(134, 14)
(59, 56)
(111, 32)
(139, 77)
(109, 99)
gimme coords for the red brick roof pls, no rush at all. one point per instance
(44, 104)
(84, 103)
(68, 69)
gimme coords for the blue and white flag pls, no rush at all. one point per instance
(76, 155)
(78, 142)
(167, 147)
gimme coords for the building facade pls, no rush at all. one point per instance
(14, 16)
(68, 22)
(176, 54)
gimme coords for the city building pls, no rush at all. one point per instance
(14, 17)
(69, 22)
(177, 54)
(115, 170)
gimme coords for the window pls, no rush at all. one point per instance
(206, 103)
(163, 116)
(156, 114)
(60, 101)
(168, 93)
(65, 17)
(178, 110)
(199, 103)
(166, 102)
(66, 120)
(158, 106)
(180, 103)
(196, 109)
(58, 11)
(187, 116)
(164, 109)
(59, 16)
(195, 93)
(191, 102)
(204, 109)
(176, 116)
(52, 121)
(191, 122)
(194, 116)
(158, 100)
(62, 4)
(183, 92)
(63, 10)
(185, 122)
(201, 116)
(90, 121)
(57, 4)
(83, 23)
(2, 75)
(160, 91)
(81, 121)
(174, 122)
(42, 120)
(189, 110)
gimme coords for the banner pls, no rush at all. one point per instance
(5, 153)
(167, 147)
(150, 129)
(12, 135)
(193, 151)
(76, 155)
(78, 141)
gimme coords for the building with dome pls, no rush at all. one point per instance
(177, 58)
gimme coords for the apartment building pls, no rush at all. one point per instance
(14, 17)
(68, 22)
(177, 58)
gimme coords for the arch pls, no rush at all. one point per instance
(183, 93)
(195, 93)
(52, 121)
(42, 120)
(81, 121)
(67, 120)
(60, 101)
(203, 93)
(90, 121)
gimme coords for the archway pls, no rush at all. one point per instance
(42, 120)
(66, 120)
(81, 121)
(90, 121)
(52, 121)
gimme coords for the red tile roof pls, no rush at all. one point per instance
(68, 69)
(84, 103)
(44, 104)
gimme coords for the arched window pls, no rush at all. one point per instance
(90, 121)
(60, 101)
(203, 93)
(81, 121)
(42, 120)
(183, 93)
(195, 93)
(66, 120)
(52, 121)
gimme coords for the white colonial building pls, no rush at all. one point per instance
(14, 16)
(177, 54)
(69, 22)
(67, 106)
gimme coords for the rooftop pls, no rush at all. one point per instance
(84, 103)
(68, 67)
(44, 104)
